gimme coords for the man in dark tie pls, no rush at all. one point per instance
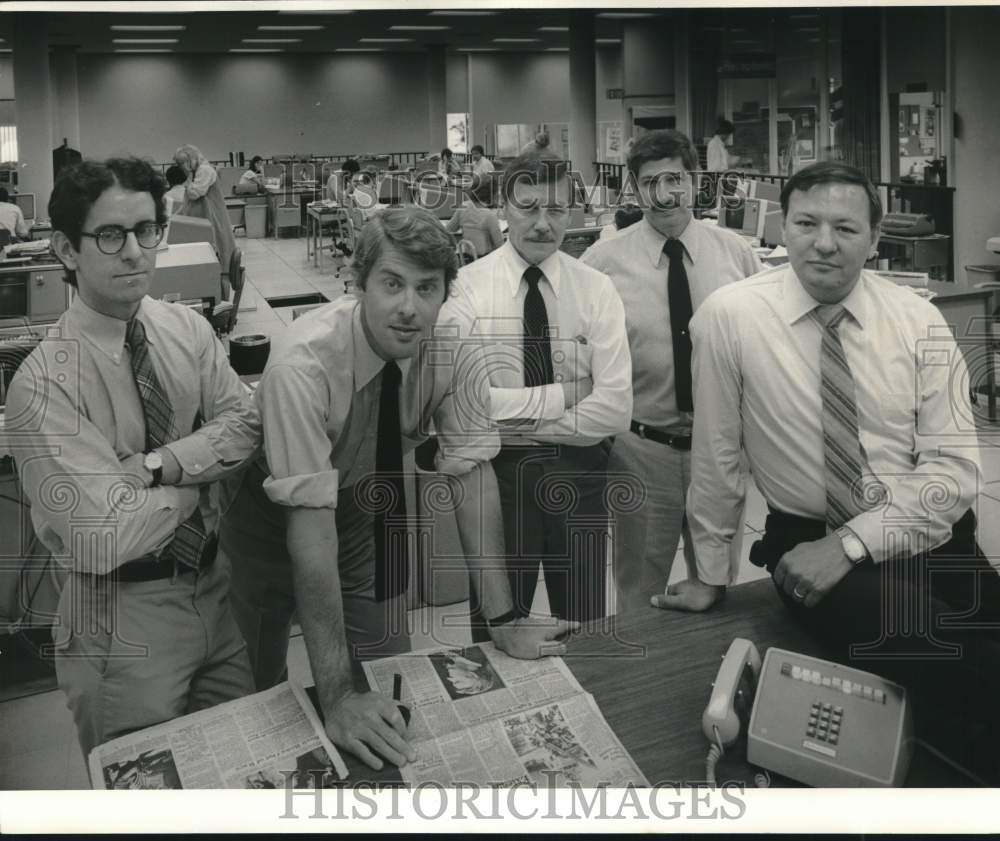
(847, 394)
(560, 388)
(320, 526)
(663, 268)
(122, 421)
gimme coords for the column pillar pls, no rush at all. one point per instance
(437, 101)
(583, 94)
(65, 98)
(33, 108)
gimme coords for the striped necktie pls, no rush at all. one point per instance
(842, 456)
(190, 538)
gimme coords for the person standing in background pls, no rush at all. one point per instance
(204, 199)
(718, 154)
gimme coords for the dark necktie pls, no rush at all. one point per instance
(391, 565)
(190, 538)
(679, 298)
(537, 351)
(842, 457)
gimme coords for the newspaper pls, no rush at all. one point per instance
(480, 716)
(255, 742)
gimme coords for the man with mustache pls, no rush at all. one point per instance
(663, 267)
(319, 525)
(123, 420)
(560, 387)
(846, 394)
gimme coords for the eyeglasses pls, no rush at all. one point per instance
(111, 238)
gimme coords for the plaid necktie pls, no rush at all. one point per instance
(537, 347)
(842, 457)
(190, 538)
(681, 310)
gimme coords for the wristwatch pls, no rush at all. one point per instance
(854, 549)
(153, 462)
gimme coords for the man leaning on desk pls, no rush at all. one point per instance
(837, 386)
(315, 527)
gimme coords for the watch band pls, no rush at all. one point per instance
(502, 619)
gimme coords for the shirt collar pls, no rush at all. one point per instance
(798, 302)
(516, 264)
(652, 241)
(367, 363)
(105, 332)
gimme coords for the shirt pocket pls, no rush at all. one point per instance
(572, 357)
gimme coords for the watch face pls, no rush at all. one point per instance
(153, 461)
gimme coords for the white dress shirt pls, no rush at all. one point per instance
(636, 264)
(718, 155)
(757, 388)
(588, 340)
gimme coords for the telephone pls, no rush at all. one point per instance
(811, 720)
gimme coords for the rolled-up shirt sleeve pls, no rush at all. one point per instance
(718, 478)
(231, 432)
(467, 435)
(294, 405)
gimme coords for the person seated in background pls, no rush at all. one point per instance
(11, 217)
(447, 165)
(624, 217)
(340, 184)
(481, 165)
(176, 195)
(252, 181)
(476, 221)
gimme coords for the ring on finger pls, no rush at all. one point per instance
(798, 595)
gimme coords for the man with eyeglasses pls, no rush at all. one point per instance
(122, 422)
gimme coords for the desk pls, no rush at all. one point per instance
(189, 270)
(316, 216)
(969, 312)
(919, 253)
(653, 698)
(286, 208)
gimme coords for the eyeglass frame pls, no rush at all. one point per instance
(96, 236)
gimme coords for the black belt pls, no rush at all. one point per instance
(154, 569)
(678, 442)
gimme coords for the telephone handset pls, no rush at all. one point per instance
(811, 720)
(728, 711)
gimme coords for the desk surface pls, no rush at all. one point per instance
(651, 674)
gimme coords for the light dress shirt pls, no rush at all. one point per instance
(319, 397)
(73, 414)
(587, 338)
(636, 264)
(757, 389)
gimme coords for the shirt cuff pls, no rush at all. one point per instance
(459, 461)
(193, 453)
(313, 490)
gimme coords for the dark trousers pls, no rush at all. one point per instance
(930, 622)
(554, 512)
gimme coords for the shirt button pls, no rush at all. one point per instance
(197, 466)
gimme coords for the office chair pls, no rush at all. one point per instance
(342, 231)
(226, 312)
(5, 237)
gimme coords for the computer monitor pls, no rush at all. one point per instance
(732, 201)
(26, 201)
(766, 190)
(754, 216)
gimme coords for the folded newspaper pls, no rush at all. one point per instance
(480, 716)
(260, 741)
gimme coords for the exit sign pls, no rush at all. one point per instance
(616, 93)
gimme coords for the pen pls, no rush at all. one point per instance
(397, 694)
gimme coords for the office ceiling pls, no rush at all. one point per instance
(213, 31)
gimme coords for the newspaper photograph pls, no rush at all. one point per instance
(255, 742)
(478, 715)
(451, 688)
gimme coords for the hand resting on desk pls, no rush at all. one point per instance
(531, 637)
(369, 723)
(691, 595)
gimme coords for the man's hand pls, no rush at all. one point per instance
(366, 722)
(690, 594)
(531, 637)
(811, 570)
(577, 390)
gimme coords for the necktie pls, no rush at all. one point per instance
(679, 298)
(391, 564)
(842, 458)
(537, 350)
(190, 538)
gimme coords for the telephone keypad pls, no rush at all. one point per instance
(824, 722)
